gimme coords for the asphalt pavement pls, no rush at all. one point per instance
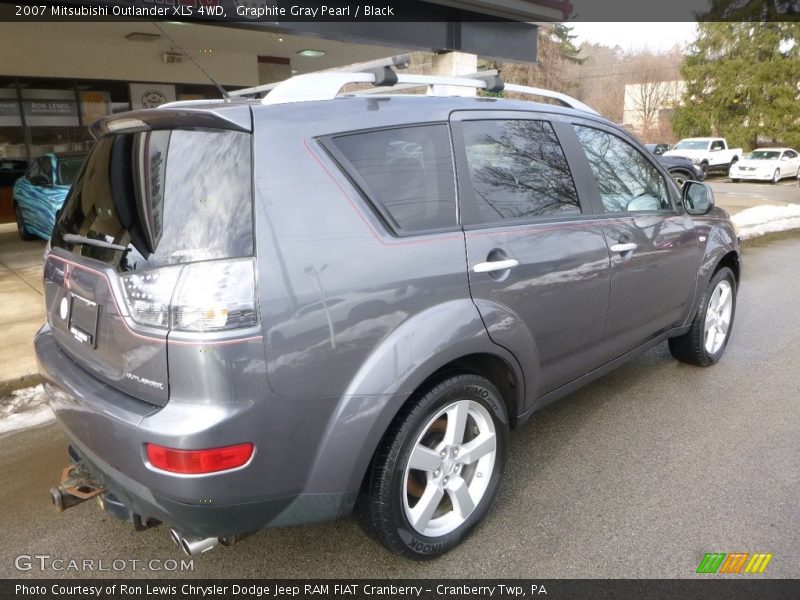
(736, 197)
(637, 475)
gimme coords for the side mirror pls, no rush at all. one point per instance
(784, 158)
(698, 198)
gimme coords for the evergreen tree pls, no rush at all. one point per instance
(743, 83)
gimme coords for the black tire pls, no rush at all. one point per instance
(691, 347)
(704, 167)
(387, 490)
(734, 180)
(680, 177)
(776, 176)
(22, 230)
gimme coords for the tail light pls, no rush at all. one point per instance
(203, 296)
(197, 462)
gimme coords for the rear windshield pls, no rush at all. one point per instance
(167, 197)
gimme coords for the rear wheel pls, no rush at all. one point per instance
(705, 342)
(438, 469)
(704, 167)
(734, 180)
(22, 229)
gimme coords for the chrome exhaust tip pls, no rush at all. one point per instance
(176, 537)
(193, 546)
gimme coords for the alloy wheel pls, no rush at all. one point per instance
(718, 317)
(449, 468)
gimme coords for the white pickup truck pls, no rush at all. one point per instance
(707, 152)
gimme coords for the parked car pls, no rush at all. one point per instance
(681, 169)
(711, 154)
(767, 164)
(192, 234)
(657, 149)
(11, 169)
(40, 193)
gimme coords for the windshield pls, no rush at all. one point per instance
(691, 145)
(167, 196)
(763, 155)
(68, 169)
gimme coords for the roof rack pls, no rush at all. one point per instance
(327, 85)
(400, 61)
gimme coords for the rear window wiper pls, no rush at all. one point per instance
(71, 238)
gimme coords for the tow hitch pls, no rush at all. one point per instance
(76, 486)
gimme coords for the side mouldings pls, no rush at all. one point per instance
(395, 368)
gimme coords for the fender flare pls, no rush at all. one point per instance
(404, 359)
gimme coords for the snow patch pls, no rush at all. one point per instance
(759, 220)
(23, 409)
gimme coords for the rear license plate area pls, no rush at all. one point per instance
(83, 315)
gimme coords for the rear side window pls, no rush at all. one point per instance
(407, 173)
(167, 196)
(518, 170)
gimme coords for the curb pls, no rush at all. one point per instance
(767, 238)
(28, 380)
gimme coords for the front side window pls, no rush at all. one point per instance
(518, 170)
(406, 172)
(628, 182)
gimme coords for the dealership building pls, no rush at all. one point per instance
(57, 78)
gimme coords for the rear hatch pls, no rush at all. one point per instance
(155, 219)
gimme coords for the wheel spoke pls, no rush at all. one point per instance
(456, 423)
(711, 340)
(715, 299)
(475, 449)
(423, 511)
(459, 494)
(710, 321)
(424, 459)
(724, 292)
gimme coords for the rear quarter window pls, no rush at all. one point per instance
(407, 174)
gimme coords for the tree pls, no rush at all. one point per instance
(653, 88)
(556, 51)
(743, 83)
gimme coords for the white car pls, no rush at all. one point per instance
(767, 164)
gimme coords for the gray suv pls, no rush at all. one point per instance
(272, 312)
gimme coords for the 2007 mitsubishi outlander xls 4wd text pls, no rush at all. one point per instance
(265, 312)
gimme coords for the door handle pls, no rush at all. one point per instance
(623, 247)
(495, 265)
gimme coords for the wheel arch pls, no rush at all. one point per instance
(363, 415)
(730, 260)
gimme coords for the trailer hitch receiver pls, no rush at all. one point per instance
(77, 485)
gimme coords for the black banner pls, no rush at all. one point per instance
(405, 589)
(397, 11)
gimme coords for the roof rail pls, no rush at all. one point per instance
(326, 86)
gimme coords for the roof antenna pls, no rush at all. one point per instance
(214, 81)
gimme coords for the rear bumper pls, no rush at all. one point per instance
(108, 430)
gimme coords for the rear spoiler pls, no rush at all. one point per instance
(235, 118)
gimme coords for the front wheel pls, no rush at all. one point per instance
(705, 342)
(438, 469)
(734, 180)
(776, 176)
